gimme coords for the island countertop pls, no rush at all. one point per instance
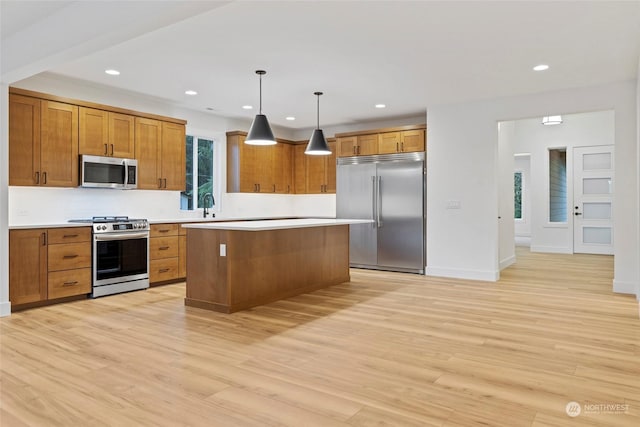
(276, 224)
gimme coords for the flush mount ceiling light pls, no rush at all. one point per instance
(190, 92)
(318, 144)
(551, 120)
(290, 118)
(541, 67)
(112, 72)
(260, 132)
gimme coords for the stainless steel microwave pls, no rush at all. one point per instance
(108, 172)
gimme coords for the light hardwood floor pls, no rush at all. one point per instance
(385, 349)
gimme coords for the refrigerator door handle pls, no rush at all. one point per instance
(379, 202)
(374, 201)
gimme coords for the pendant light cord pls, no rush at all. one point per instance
(260, 93)
(318, 113)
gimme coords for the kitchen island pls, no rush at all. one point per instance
(233, 266)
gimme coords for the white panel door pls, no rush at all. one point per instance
(593, 179)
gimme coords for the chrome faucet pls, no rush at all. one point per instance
(207, 196)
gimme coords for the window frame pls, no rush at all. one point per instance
(216, 174)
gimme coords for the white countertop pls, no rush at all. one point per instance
(276, 224)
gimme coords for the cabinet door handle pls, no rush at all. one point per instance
(44, 177)
(163, 231)
(358, 151)
(402, 146)
(69, 236)
(74, 282)
(288, 188)
(69, 256)
(163, 270)
(165, 183)
(354, 150)
(44, 239)
(112, 149)
(397, 148)
(37, 177)
(258, 188)
(159, 182)
(274, 188)
(105, 149)
(163, 248)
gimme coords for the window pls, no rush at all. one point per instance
(517, 196)
(199, 180)
(558, 185)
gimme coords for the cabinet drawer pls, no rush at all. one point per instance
(162, 230)
(69, 235)
(163, 247)
(163, 269)
(69, 256)
(68, 283)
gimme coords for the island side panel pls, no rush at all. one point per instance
(265, 266)
(207, 285)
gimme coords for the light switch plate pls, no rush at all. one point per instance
(223, 249)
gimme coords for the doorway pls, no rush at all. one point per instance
(583, 143)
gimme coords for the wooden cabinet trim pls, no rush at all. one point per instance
(49, 97)
(381, 130)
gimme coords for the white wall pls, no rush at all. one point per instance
(507, 247)
(577, 130)
(461, 166)
(638, 183)
(5, 305)
(522, 163)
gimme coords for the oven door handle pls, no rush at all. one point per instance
(120, 236)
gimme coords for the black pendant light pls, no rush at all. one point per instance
(260, 132)
(318, 144)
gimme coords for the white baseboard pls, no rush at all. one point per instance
(460, 273)
(623, 287)
(507, 262)
(5, 308)
(552, 249)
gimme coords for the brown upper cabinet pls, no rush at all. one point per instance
(401, 142)
(48, 132)
(258, 168)
(43, 142)
(160, 151)
(105, 133)
(357, 145)
(321, 172)
(382, 141)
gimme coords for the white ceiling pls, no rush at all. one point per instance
(405, 54)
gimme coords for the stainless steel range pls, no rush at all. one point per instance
(120, 254)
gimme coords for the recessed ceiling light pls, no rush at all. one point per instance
(289, 118)
(190, 92)
(247, 107)
(112, 72)
(541, 67)
(381, 106)
(210, 108)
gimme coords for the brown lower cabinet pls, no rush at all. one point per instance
(164, 250)
(47, 264)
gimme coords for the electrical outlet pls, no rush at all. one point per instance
(223, 249)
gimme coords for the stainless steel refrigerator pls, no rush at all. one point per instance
(390, 190)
